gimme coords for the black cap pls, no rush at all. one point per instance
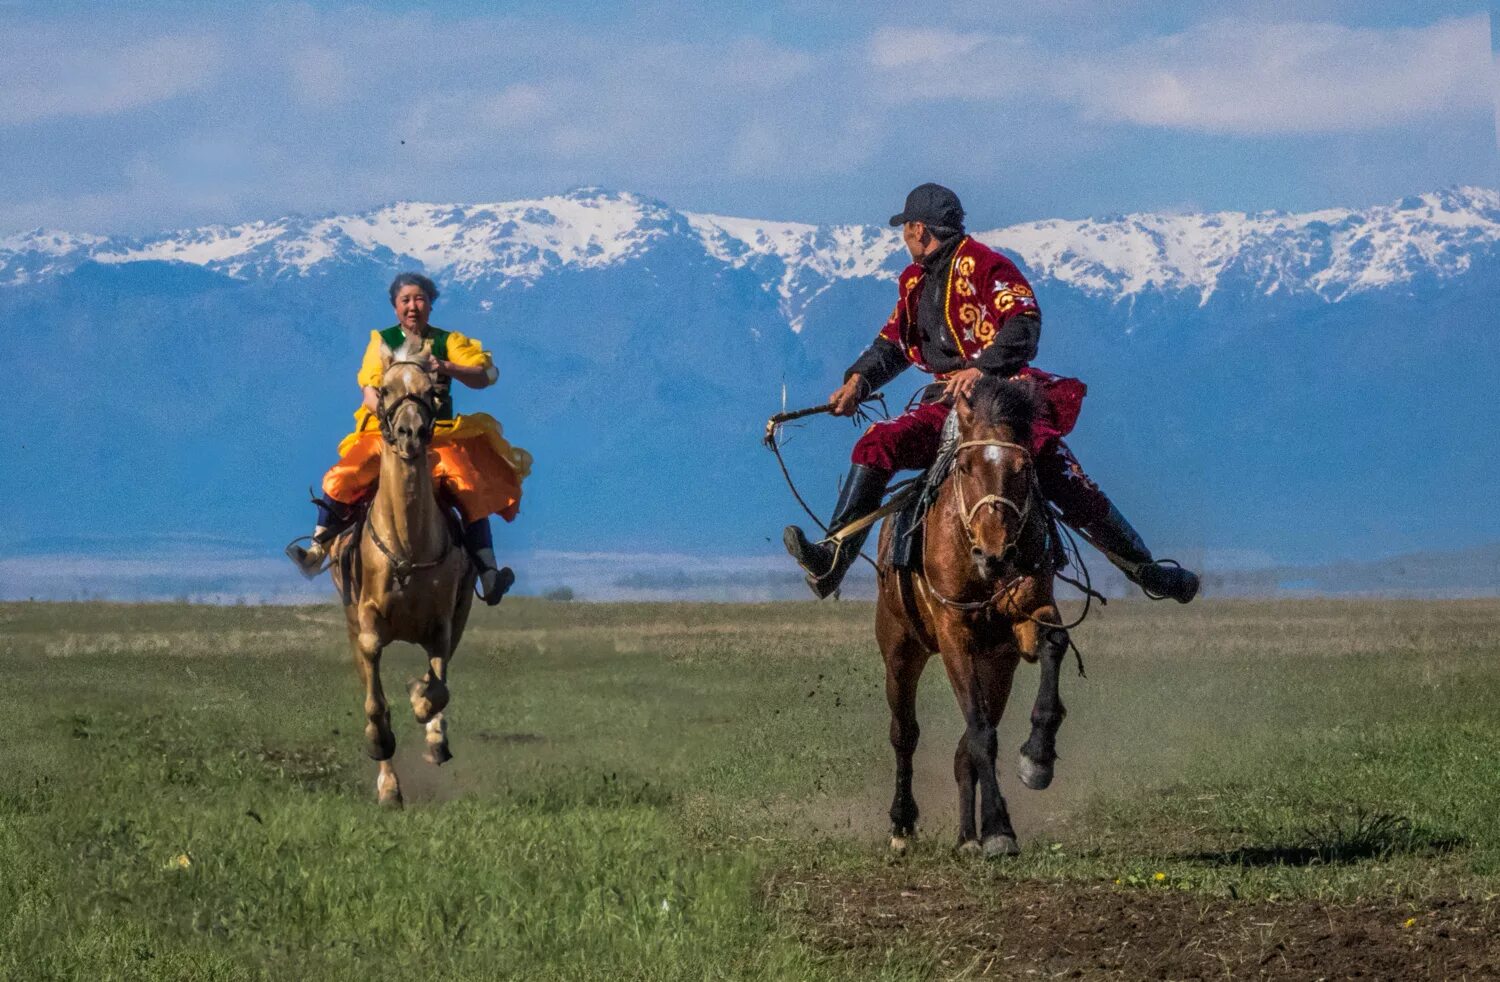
(931, 204)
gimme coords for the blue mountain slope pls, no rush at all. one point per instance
(1321, 386)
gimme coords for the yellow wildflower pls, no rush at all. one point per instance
(1158, 877)
(1409, 922)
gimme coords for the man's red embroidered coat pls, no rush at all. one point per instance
(984, 291)
(983, 294)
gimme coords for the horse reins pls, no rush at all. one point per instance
(967, 513)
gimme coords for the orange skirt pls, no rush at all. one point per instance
(472, 464)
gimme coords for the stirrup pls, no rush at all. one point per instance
(298, 556)
(1152, 595)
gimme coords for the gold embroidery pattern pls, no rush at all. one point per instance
(911, 284)
(985, 331)
(965, 287)
(1009, 295)
(971, 315)
(961, 265)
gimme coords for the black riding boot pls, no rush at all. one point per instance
(494, 580)
(826, 562)
(333, 518)
(1122, 545)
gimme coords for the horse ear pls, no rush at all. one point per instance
(965, 410)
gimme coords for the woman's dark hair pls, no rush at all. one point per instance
(413, 279)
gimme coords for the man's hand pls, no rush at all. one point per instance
(961, 383)
(845, 399)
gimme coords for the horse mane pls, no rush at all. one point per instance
(1005, 402)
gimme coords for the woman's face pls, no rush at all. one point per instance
(412, 307)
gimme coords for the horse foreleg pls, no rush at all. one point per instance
(429, 697)
(1039, 752)
(993, 671)
(903, 669)
(379, 737)
(969, 754)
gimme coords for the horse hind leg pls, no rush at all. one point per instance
(1039, 752)
(429, 699)
(379, 737)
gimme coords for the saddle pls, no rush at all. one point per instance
(908, 523)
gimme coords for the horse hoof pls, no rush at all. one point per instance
(1035, 776)
(899, 845)
(439, 754)
(968, 848)
(1001, 845)
(388, 791)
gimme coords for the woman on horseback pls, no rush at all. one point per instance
(474, 469)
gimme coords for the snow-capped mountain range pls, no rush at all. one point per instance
(1300, 387)
(1330, 254)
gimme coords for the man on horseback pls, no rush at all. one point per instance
(965, 312)
(476, 471)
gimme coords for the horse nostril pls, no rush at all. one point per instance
(978, 552)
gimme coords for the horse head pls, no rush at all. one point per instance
(992, 472)
(408, 409)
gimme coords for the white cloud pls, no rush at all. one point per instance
(296, 107)
(894, 48)
(1253, 78)
(53, 77)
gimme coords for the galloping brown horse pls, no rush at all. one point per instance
(412, 581)
(983, 600)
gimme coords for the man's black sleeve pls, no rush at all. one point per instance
(1013, 348)
(881, 362)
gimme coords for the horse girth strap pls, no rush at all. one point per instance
(404, 568)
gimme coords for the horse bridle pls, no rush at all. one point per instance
(384, 413)
(401, 567)
(967, 513)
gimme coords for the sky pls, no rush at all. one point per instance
(132, 118)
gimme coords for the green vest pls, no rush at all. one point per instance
(394, 338)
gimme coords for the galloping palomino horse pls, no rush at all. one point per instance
(410, 580)
(983, 600)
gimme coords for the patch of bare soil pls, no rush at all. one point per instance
(1030, 929)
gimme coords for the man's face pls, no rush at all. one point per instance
(918, 242)
(412, 307)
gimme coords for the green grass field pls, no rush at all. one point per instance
(698, 792)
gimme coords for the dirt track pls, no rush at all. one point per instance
(1063, 930)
